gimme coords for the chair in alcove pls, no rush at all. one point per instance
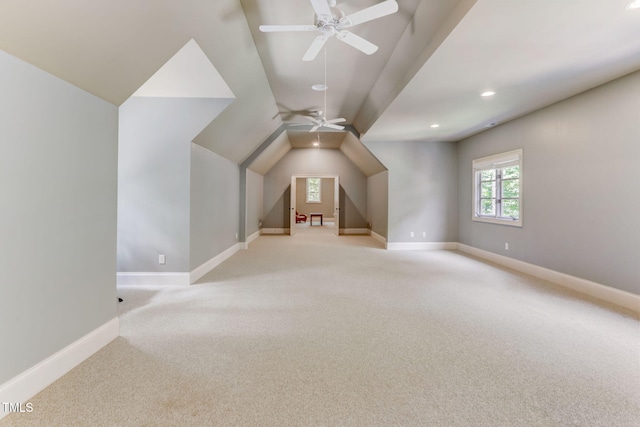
(300, 217)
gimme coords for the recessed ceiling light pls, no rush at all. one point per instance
(320, 87)
(633, 5)
(490, 125)
(487, 93)
(435, 125)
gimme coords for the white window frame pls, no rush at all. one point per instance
(498, 161)
(319, 190)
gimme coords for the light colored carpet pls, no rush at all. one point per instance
(319, 330)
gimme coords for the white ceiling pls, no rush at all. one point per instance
(435, 58)
(532, 53)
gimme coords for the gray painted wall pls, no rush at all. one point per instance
(58, 221)
(581, 183)
(328, 203)
(154, 161)
(255, 200)
(423, 186)
(215, 204)
(378, 203)
(309, 161)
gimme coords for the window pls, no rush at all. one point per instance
(314, 186)
(497, 188)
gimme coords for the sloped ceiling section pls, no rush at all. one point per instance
(110, 48)
(345, 141)
(324, 138)
(430, 25)
(271, 155)
(350, 74)
(434, 59)
(188, 74)
(361, 156)
(530, 53)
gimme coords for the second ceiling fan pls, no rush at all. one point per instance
(330, 21)
(319, 120)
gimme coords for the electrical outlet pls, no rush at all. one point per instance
(424, 234)
(162, 259)
(236, 236)
(506, 246)
(412, 234)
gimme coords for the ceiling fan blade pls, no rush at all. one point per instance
(321, 7)
(357, 42)
(376, 11)
(334, 126)
(315, 128)
(340, 120)
(315, 48)
(312, 122)
(279, 28)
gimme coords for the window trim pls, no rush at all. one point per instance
(319, 189)
(497, 161)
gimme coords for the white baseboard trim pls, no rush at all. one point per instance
(379, 238)
(253, 237)
(152, 279)
(274, 231)
(421, 246)
(355, 231)
(587, 287)
(200, 271)
(37, 378)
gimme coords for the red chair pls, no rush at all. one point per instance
(300, 217)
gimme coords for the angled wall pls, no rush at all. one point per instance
(378, 203)
(422, 188)
(214, 205)
(58, 221)
(154, 180)
(255, 202)
(155, 155)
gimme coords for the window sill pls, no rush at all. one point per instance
(511, 223)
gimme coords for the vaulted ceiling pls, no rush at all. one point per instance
(435, 58)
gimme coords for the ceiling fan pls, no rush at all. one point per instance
(321, 121)
(330, 21)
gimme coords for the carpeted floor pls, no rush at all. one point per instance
(319, 330)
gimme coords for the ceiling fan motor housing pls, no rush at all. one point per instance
(332, 23)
